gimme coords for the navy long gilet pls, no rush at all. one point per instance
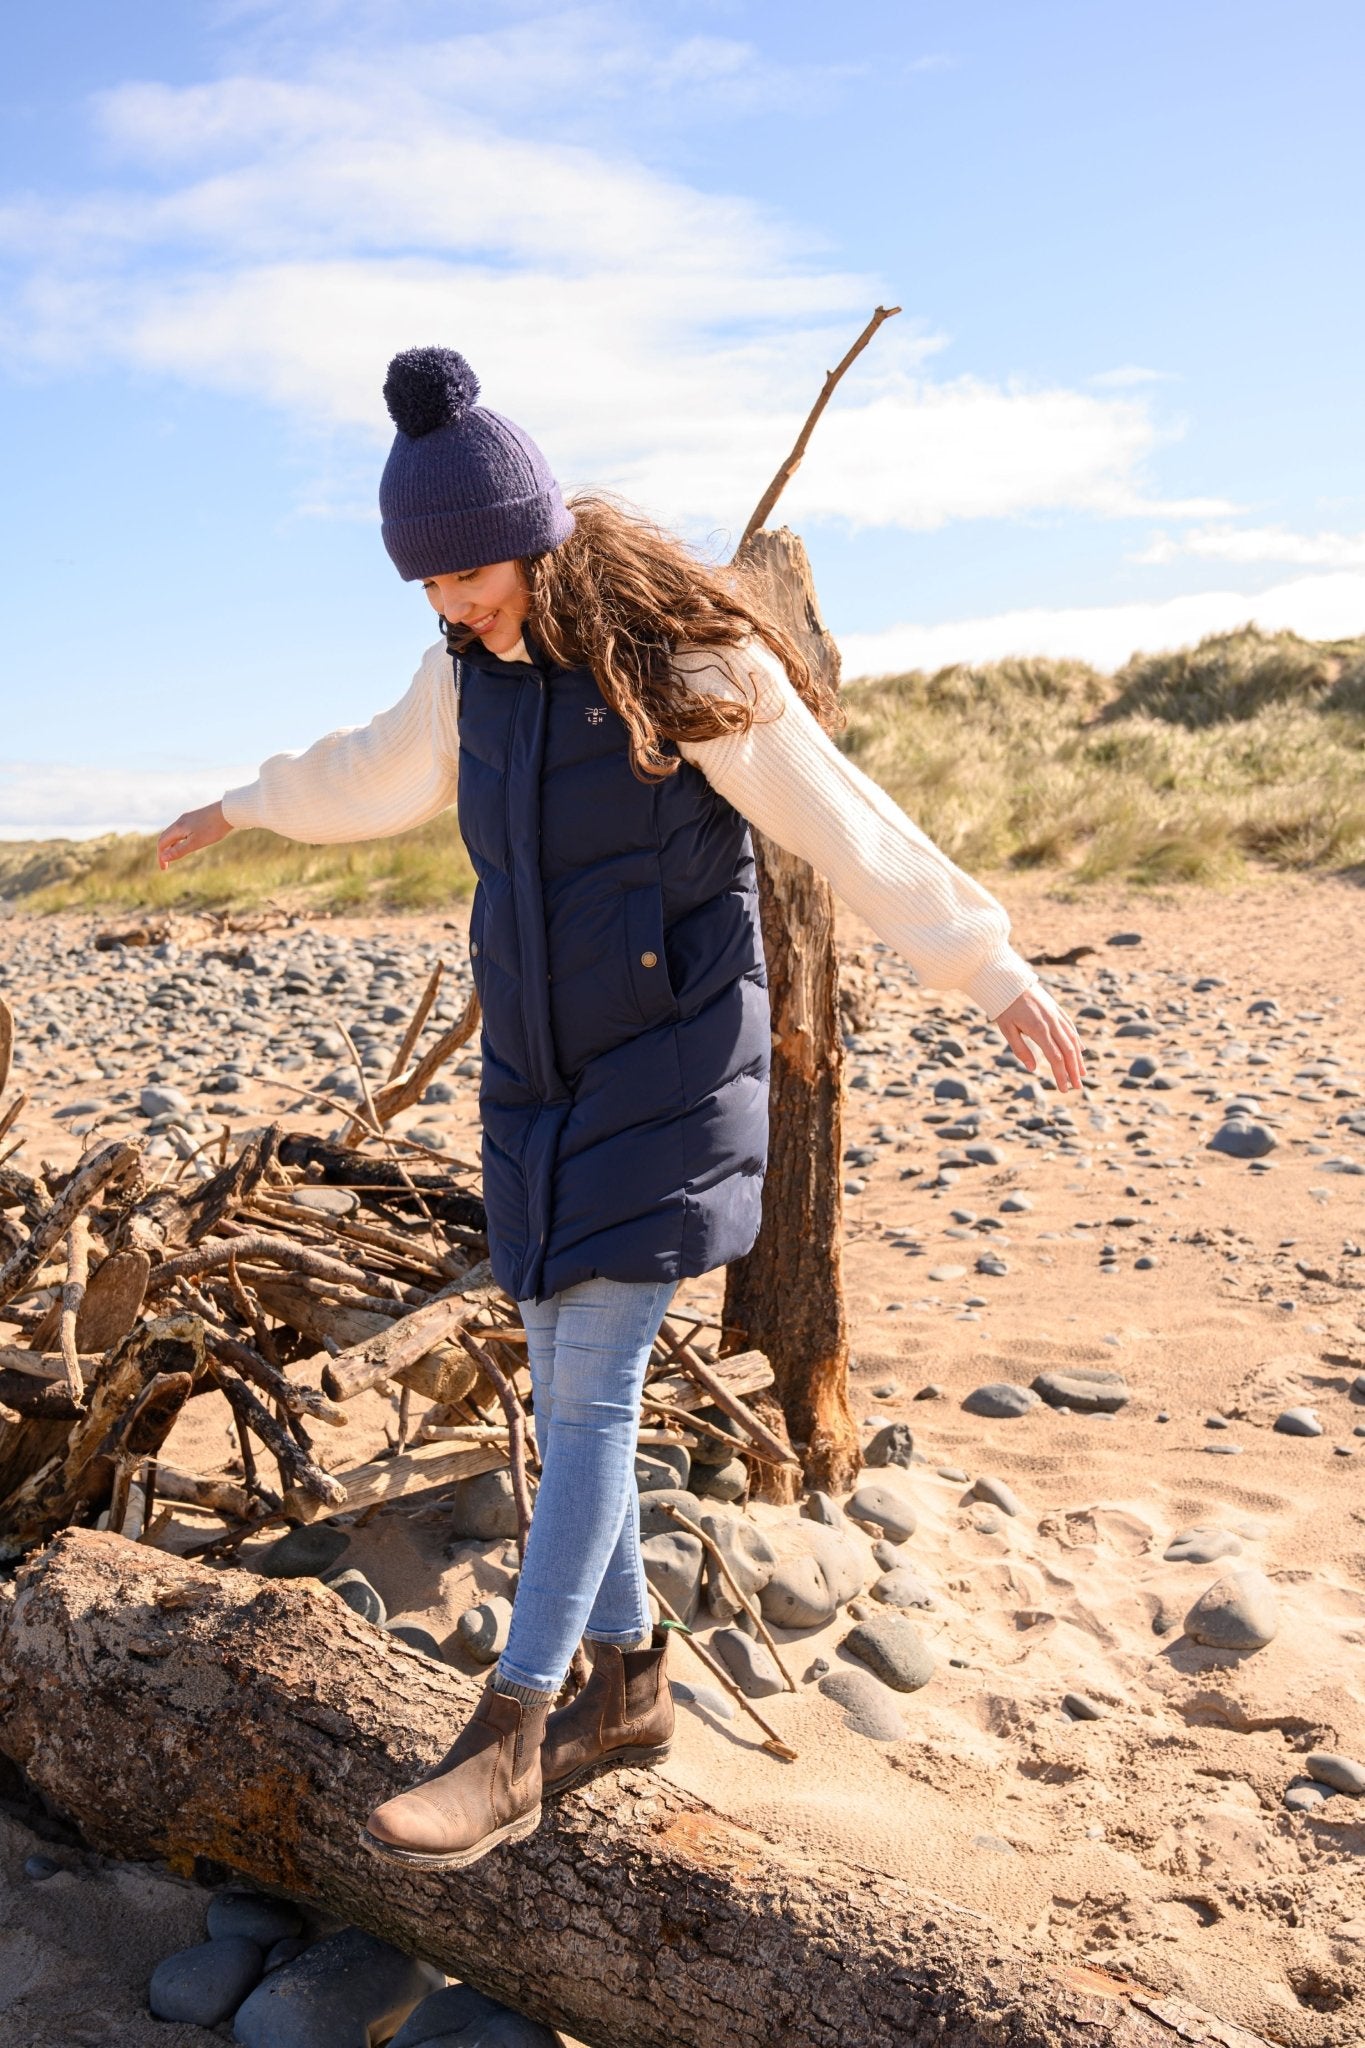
(616, 946)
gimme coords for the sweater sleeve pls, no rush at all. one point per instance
(364, 781)
(787, 777)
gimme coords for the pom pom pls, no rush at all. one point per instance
(428, 388)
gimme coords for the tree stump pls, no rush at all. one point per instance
(786, 1295)
(181, 1713)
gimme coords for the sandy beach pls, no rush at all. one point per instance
(1098, 1233)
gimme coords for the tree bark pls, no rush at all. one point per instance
(181, 1713)
(787, 1294)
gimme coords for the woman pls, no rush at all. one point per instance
(615, 717)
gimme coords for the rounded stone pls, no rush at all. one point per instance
(749, 1557)
(1297, 1422)
(205, 1984)
(305, 1553)
(894, 1650)
(460, 2015)
(1238, 1612)
(483, 1507)
(1342, 1773)
(1081, 1707)
(870, 1709)
(1303, 1796)
(885, 1511)
(1241, 1139)
(997, 1495)
(345, 1991)
(326, 1201)
(728, 1482)
(1201, 1546)
(901, 1587)
(893, 1444)
(749, 1663)
(661, 1466)
(253, 1916)
(38, 1868)
(673, 1566)
(1000, 1400)
(417, 1639)
(482, 1629)
(797, 1595)
(359, 1595)
(1086, 1390)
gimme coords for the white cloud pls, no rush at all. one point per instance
(66, 800)
(1247, 544)
(1128, 375)
(279, 237)
(1319, 607)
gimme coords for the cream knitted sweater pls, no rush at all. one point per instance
(785, 775)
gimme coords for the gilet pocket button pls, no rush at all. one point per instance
(473, 949)
(649, 959)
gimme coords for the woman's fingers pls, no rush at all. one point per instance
(1032, 1021)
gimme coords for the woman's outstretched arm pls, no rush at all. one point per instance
(363, 782)
(787, 777)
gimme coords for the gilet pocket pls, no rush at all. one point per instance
(646, 960)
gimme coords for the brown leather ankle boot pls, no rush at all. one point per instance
(484, 1791)
(623, 1715)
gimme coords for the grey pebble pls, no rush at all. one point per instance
(482, 1629)
(1201, 1546)
(1081, 1707)
(894, 1444)
(417, 1639)
(483, 1506)
(345, 1991)
(894, 1650)
(326, 1201)
(997, 1495)
(1088, 1391)
(1001, 1400)
(359, 1595)
(661, 1466)
(750, 1664)
(460, 2017)
(1297, 1422)
(1303, 1796)
(39, 1867)
(205, 1984)
(1238, 1612)
(1342, 1773)
(305, 1553)
(252, 1915)
(883, 1511)
(1240, 1139)
(285, 1951)
(1016, 1205)
(673, 1567)
(901, 1587)
(870, 1708)
(797, 1595)
(931, 1392)
(822, 1507)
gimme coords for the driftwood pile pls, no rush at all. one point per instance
(301, 1273)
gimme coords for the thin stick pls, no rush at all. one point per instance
(8, 1120)
(745, 1600)
(294, 1466)
(410, 1038)
(711, 1383)
(793, 462)
(516, 1434)
(772, 1740)
(91, 1177)
(694, 1423)
(376, 1129)
(295, 1400)
(73, 1294)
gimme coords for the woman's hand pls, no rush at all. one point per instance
(191, 831)
(1034, 1015)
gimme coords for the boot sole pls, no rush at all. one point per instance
(614, 1760)
(457, 1859)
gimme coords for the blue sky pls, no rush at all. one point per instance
(1121, 406)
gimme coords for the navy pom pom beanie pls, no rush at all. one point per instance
(462, 486)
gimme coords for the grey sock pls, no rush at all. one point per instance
(529, 1695)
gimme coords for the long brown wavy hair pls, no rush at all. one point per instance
(621, 595)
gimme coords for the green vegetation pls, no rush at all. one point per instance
(1193, 766)
(1196, 766)
(422, 870)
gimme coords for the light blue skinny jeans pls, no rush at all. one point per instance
(588, 1347)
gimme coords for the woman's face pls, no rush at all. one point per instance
(491, 602)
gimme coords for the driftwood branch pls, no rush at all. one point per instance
(516, 1433)
(763, 510)
(176, 1712)
(298, 1473)
(90, 1178)
(73, 1297)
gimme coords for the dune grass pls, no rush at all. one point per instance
(1199, 766)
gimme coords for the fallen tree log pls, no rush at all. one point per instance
(180, 1713)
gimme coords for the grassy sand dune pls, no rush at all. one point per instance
(1195, 766)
